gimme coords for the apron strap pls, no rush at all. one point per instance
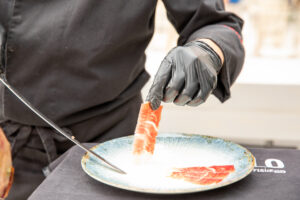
(17, 141)
(21, 139)
(46, 136)
(20, 136)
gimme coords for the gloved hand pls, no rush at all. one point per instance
(6, 170)
(186, 76)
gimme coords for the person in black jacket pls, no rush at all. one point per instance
(81, 63)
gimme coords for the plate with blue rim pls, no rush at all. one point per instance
(151, 173)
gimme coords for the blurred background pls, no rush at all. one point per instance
(264, 108)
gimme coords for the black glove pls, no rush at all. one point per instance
(186, 76)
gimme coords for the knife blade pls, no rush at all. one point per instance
(56, 127)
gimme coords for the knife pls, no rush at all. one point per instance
(53, 125)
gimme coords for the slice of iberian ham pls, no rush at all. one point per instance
(203, 175)
(146, 129)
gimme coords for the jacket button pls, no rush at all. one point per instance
(10, 49)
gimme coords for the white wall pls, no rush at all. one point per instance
(256, 114)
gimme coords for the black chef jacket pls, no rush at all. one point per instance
(76, 59)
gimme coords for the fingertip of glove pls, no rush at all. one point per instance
(170, 95)
(195, 103)
(182, 100)
(155, 103)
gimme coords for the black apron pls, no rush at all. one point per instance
(33, 147)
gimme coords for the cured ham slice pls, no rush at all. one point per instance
(6, 169)
(146, 129)
(203, 175)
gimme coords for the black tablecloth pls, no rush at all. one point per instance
(276, 177)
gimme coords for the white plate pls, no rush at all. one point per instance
(150, 174)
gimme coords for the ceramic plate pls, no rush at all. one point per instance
(150, 174)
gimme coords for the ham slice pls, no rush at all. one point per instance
(203, 175)
(146, 129)
(6, 169)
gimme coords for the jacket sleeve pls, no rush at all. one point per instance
(195, 19)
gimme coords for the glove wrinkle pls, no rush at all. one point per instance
(191, 87)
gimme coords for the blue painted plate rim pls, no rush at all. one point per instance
(251, 165)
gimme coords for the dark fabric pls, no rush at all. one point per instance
(6, 8)
(34, 148)
(68, 181)
(29, 157)
(76, 59)
(2, 49)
